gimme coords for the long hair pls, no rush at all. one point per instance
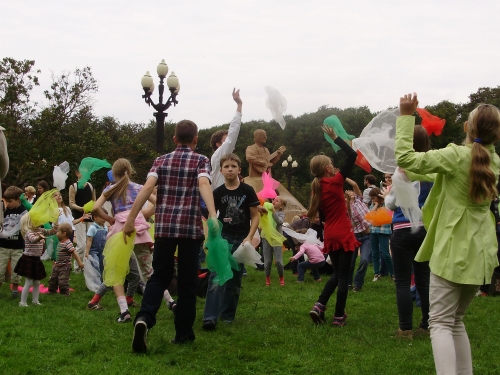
(25, 224)
(122, 169)
(65, 209)
(318, 165)
(483, 128)
(421, 140)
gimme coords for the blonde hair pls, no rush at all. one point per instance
(31, 189)
(122, 169)
(66, 229)
(483, 128)
(26, 224)
(317, 165)
(283, 202)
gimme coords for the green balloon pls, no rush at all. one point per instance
(334, 123)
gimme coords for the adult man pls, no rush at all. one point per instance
(369, 182)
(258, 156)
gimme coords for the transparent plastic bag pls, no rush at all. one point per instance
(277, 104)
(247, 254)
(91, 273)
(117, 255)
(60, 175)
(406, 193)
(88, 166)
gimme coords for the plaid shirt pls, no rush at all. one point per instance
(358, 211)
(178, 212)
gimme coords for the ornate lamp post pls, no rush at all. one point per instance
(148, 87)
(289, 169)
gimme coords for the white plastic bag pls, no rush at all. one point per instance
(247, 254)
(406, 193)
(277, 104)
(91, 273)
(60, 175)
(310, 236)
(377, 141)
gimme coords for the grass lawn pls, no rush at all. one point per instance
(272, 334)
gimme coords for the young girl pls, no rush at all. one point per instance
(30, 266)
(65, 213)
(122, 195)
(460, 244)
(379, 238)
(279, 204)
(339, 241)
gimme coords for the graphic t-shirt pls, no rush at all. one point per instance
(234, 208)
(10, 237)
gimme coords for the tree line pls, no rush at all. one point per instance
(67, 129)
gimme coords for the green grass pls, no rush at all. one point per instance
(272, 334)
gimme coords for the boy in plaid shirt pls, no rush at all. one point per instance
(182, 176)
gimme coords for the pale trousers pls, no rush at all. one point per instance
(14, 255)
(81, 240)
(450, 343)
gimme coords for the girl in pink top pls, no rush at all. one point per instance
(316, 260)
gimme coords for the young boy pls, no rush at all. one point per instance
(62, 266)
(182, 176)
(237, 204)
(11, 241)
(96, 239)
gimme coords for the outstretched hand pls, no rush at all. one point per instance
(236, 96)
(329, 131)
(408, 104)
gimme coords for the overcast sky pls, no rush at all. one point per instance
(336, 53)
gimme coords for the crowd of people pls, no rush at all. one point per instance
(446, 256)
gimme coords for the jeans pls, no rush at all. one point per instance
(380, 246)
(302, 266)
(341, 263)
(222, 300)
(365, 251)
(404, 246)
(187, 276)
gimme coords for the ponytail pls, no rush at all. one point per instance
(318, 166)
(122, 169)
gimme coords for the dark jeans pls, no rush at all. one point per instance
(341, 263)
(365, 253)
(187, 276)
(404, 247)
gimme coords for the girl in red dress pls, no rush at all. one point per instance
(327, 197)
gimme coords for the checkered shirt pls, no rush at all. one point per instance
(358, 211)
(178, 212)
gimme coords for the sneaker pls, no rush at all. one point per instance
(268, 280)
(376, 277)
(140, 338)
(422, 332)
(209, 325)
(282, 281)
(172, 305)
(404, 334)
(15, 295)
(356, 289)
(317, 313)
(132, 303)
(22, 304)
(339, 322)
(95, 306)
(36, 303)
(318, 280)
(124, 317)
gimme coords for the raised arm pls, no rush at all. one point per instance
(355, 187)
(345, 170)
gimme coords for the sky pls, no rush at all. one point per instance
(336, 53)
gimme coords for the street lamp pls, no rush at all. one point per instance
(289, 169)
(148, 87)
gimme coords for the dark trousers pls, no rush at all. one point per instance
(60, 278)
(187, 275)
(341, 263)
(404, 247)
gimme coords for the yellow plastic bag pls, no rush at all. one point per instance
(117, 255)
(45, 209)
(268, 227)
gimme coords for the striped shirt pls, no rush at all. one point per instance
(33, 245)
(64, 252)
(178, 212)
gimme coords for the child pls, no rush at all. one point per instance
(460, 244)
(122, 195)
(237, 204)
(279, 204)
(316, 260)
(62, 266)
(11, 241)
(65, 215)
(379, 238)
(182, 176)
(327, 196)
(96, 239)
(30, 266)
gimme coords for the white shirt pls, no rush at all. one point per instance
(226, 148)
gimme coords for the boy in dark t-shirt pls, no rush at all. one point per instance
(237, 205)
(11, 241)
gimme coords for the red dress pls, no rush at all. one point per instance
(338, 233)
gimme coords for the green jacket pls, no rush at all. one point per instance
(461, 243)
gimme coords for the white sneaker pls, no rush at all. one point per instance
(376, 277)
(21, 304)
(37, 303)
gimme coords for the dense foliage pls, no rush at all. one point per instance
(66, 128)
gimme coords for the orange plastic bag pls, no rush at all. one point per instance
(431, 123)
(379, 217)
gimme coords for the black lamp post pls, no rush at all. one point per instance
(289, 169)
(148, 87)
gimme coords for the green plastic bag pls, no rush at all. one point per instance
(219, 258)
(87, 167)
(334, 123)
